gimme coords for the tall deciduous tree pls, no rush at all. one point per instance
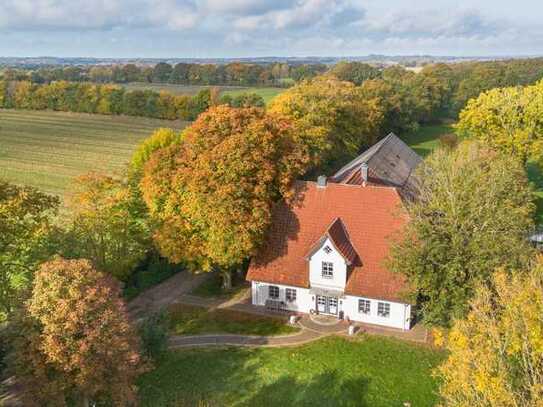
(107, 226)
(332, 118)
(510, 119)
(160, 138)
(213, 194)
(75, 340)
(496, 352)
(26, 233)
(473, 213)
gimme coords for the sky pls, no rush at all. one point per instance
(250, 28)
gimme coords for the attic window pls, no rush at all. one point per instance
(327, 249)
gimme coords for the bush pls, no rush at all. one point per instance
(154, 335)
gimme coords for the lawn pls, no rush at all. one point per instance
(372, 371)
(426, 138)
(266, 92)
(48, 149)
(188, 320)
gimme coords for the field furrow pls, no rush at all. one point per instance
(48, 149)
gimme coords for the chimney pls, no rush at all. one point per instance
(364, 173)
(321, 181)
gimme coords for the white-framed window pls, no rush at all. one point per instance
(327, 269)
(327, 249)
(364, 306)
(290, 294)
(273, 292)
(383, 309)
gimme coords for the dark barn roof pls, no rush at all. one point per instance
(390, 162)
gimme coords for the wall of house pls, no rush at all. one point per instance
(304, 300)
(400, 314)
(315, 268)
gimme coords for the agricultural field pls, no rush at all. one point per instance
(48, 149)
(367, 371)
(267, 93)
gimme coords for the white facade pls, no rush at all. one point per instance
(326, 294)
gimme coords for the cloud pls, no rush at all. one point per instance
(251, 27)
(32, 15)
(432, 23)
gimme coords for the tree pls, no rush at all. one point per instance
(76, 341)
(160, 138)
(107, 225)
(26, 239)
(509, 119)
(496, 352)
(162, 72)
(332, 119)
(212, 195)
(355, 72)
(473, 213)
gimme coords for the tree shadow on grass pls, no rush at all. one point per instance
(325, 389)
(183, 380)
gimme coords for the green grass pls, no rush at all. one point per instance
(426, 139)
(266, 92)
(48, 149)
(188, 90)
(372, 372)
(188, 320)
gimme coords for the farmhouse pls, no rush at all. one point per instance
(325, 252)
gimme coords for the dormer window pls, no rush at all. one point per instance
(327, 269)
(327, 249)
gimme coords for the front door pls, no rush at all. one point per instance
(321, 304)
(327, 305)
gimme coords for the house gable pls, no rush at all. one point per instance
(327, 257)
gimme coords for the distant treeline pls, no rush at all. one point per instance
(443, 89)
(113, 99)
(234, 74)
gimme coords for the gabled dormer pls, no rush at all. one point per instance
(330, 258)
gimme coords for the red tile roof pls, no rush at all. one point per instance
(372, 216)
(340, 239)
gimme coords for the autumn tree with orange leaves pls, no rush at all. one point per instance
(73, 340)
(212, 195)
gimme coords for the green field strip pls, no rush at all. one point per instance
(86, 125)
(55, 141)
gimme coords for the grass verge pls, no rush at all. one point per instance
(372, 371)
(189, 320)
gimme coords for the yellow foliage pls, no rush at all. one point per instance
(496, 353)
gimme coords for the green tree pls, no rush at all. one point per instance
(26, 239)
(160, 138)
(107, 225)
(496, 352)
(509, 119)
(473, 213)
(355, 72)
(162, 72)
(75, 341)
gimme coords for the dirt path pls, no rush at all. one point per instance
(165, 293)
